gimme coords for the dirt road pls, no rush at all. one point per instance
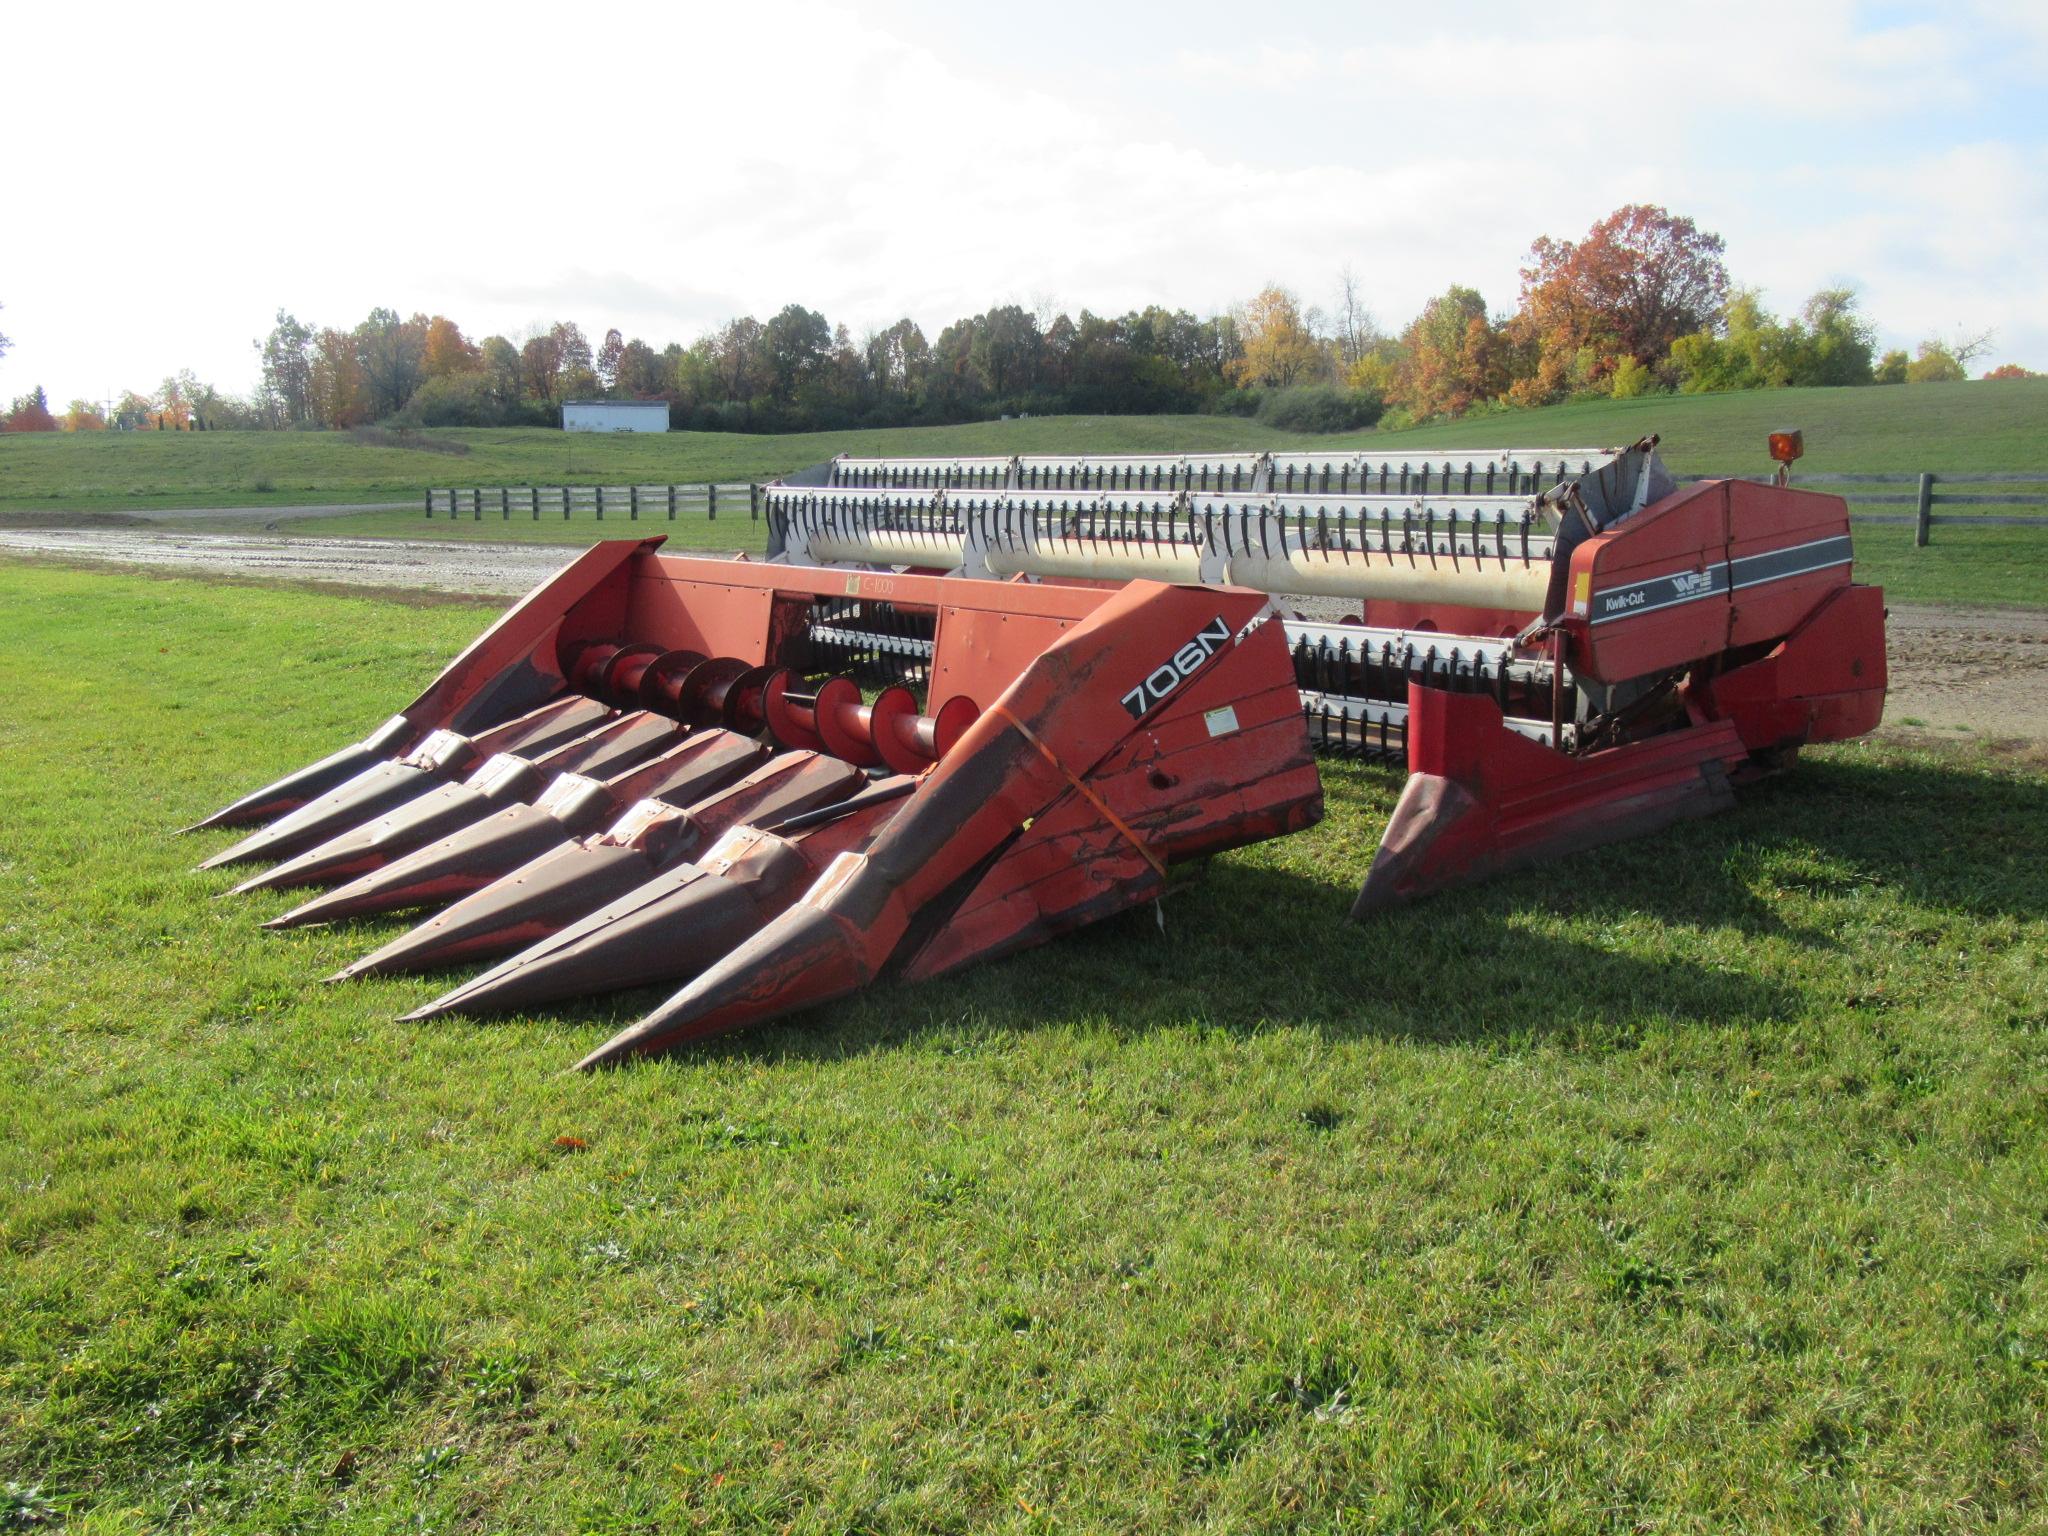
(425, 567)
(1977, 670)
(1984, 670)
(261, 515)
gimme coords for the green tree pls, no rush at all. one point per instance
(896, 362)
(391, 354)
(741, 358)
(609, 352)
(1005, 349)
(953, 388)
(1838, 343)
(501, 369)
(1630, 379)
(695, 377)
(838, 391)
(1892, 369)
(1935, 363)
(1829, 344)
(287, 356)
(794, 345)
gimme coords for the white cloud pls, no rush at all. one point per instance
(661, 167)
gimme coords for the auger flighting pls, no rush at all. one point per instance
(967, 704)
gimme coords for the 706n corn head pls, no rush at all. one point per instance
(965, 705)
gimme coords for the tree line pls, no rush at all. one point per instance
(1642, 303)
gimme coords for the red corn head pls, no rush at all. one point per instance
(680, 921)
(506, 778)
(560, 886)
(1163, 726)
(574, 804)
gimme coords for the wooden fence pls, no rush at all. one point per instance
(1923, 498)
(634, 503)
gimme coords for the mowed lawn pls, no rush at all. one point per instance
(1690, 1185)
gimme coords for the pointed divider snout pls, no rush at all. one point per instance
(670, 928)
(443, 809)
(464, 861)
(473, 857)
(383, 784)
(506, 778)
(311, 781)
(562, 885)
(378, 789)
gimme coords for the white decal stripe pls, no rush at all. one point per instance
(1839, 542)
(1630, 613)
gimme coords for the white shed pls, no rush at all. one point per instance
(614, 415)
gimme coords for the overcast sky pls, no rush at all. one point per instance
(181, 172)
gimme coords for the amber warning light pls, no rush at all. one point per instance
(1785, 447)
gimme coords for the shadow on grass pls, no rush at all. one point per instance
(1688, 925)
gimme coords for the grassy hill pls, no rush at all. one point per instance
(1959, 429)
(1956, 428)
(139, 470)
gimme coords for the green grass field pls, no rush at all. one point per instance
(135, 470)
(1693, 1185)
(1957, 428)
(2002, 427)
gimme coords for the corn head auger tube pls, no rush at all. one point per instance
(965, 705)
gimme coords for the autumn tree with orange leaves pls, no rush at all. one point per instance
(448, 351)
(1280, 347)
(29, 413)
(340, 394)
(1642, 278)
(1453, 356)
